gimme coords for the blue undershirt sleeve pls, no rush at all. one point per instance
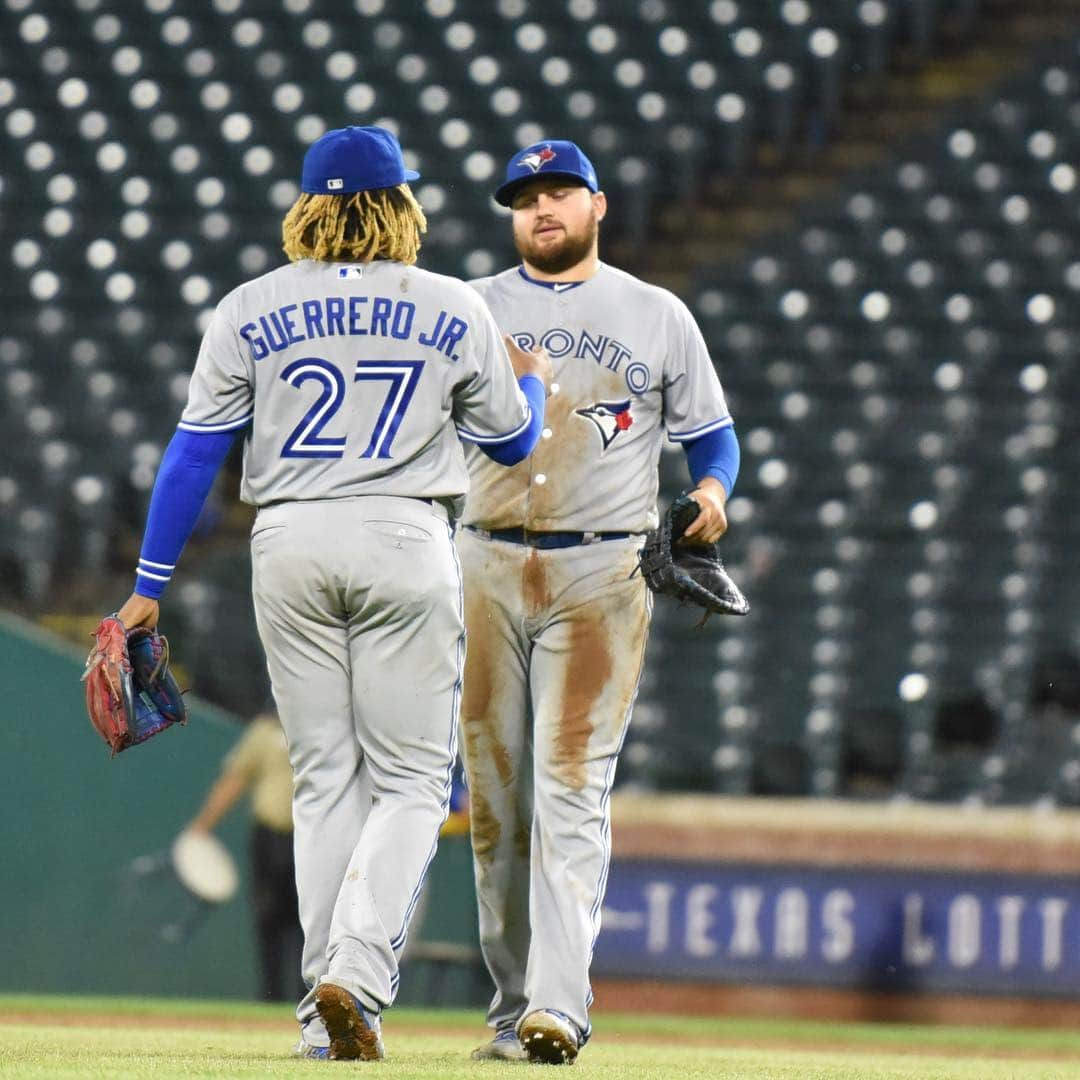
(520, 446)
(715, 454)
(188, 467)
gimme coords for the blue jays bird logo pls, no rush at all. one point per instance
(537, 159)
(610, 417)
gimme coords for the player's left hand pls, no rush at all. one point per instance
(139, 611)
(711, 522)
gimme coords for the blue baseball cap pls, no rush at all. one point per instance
(554, 157)
(354, 159)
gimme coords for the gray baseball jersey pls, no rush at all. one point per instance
(356, 380)
(629, 361)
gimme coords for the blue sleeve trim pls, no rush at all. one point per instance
(520, 445)
(687, 436)
(186, 474)
(715, 454)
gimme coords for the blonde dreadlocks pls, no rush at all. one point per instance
(384, 223)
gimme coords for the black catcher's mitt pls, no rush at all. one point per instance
(130, 692)
(692, 573)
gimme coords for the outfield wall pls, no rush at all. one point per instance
(714, 905)
(87, 902)
(839, 908)
(75, 914)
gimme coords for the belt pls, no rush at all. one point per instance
(547, 539)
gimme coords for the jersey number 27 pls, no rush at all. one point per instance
(307, 439)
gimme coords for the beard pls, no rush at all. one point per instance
(556, 258)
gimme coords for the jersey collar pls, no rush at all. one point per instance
(554, 286)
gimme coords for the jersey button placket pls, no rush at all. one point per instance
(538, 470)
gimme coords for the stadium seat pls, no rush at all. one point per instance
(900, 363)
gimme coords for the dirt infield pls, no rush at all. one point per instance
(209, 1022)
(818, 1003)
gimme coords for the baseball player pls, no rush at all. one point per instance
(556, 617)
(353, 376)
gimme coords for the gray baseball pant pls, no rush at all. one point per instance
(359, 607)
(556, 647)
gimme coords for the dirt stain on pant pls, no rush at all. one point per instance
(588, 670)
(479, 684)
(484, 827)
(523, 838)
(486, 756)
(535, 589)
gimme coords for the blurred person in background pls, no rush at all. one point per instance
(259, 765)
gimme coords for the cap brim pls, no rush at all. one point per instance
(411, 174)
(504, 195)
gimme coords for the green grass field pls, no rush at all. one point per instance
(124, 1038)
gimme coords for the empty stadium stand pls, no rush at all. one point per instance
(900, 367)
(900, 363)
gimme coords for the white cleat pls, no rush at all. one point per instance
(548, 1037)
(314, 1053)
(504, 1047)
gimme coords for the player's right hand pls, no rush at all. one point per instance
(530, 362)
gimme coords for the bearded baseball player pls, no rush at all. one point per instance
(353, 376)
(557, 619)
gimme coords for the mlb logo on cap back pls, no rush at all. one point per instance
(354, 159)
(554, 157)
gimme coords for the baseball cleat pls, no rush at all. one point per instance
(548, 1037)
(506, 1046)
(306, 1050)
(354, 1031)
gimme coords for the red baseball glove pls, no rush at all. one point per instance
(130, 693)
